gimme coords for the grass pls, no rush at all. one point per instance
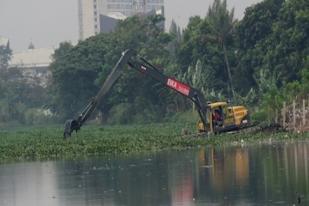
(46, 143)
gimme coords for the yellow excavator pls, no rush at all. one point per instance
(215, 117)
(222, 117)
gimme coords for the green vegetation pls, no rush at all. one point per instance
(45, 143)
(258, 61)
(20, 102)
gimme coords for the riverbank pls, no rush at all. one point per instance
(46, 143)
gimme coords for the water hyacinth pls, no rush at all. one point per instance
(47, 143)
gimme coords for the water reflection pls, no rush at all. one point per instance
(249, 175)
(28, 184)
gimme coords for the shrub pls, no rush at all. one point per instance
(34, 116)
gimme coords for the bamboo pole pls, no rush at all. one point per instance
(308, 107)
(294, 115)
(304, 112)
(284, 115)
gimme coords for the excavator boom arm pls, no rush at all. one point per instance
(143, 66)
(76, 124)
(186, 90)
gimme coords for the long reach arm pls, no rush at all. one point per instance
(186, 90)
(143, 66)
(76, 124)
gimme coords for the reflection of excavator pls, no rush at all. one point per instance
(214, 117)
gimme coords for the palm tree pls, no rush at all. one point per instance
(222, 24)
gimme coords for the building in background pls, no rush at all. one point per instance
(97, 16)
(32, 65)
(87, 18)
(109, 22)
(4, 41)
(129, 7)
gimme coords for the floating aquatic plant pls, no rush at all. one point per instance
(46, 143)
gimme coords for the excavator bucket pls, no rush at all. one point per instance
(69, 126)
(75, 124)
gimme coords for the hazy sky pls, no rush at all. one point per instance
(48, 22)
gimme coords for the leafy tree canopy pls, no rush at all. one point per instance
(79, 71)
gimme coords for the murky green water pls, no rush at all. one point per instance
(276, 174)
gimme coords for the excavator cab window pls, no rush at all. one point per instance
(218, 117)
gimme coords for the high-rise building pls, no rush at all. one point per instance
(87, 18)
(129, 7)
(93, 12)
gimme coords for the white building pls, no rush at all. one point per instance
(4, 41)
(91, 12)
(33, 64)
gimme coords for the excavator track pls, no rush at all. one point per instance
(249, 129)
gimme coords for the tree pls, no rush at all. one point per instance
(222, 24)
(257, 23)
(201, 77)
(287, 47)
(273, 37)
(143, 95)
(74, 72)
(251, 32)
(79, 71)
(305, 77)
(17, 96)
(175, 32)
(192, 47)
(5, 56)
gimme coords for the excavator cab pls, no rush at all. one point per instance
(223, 118)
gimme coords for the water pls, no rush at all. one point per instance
(273, 174)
